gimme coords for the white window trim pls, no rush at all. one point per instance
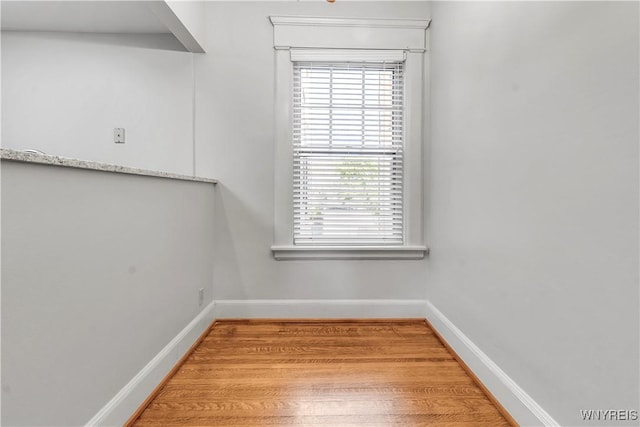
(335, 39)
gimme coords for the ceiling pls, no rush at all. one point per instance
(81, 16)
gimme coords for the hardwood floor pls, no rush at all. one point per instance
(320, 373)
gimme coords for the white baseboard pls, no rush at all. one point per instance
(320, 309)
(118, 410)
(514, 399)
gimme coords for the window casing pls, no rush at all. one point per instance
(301, 42)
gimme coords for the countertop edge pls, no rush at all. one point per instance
(46, 159)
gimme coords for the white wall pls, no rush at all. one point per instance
(99, 272)
(533, 225)
(235, 142)
(64, 93)
(191, 15)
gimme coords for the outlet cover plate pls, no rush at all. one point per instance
(118, 135)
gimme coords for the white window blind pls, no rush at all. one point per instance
(348, 121)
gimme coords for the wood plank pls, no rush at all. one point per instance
(320, 373)
(437, 420)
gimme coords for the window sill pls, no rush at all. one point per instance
(282, 253)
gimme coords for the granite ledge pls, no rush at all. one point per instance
(45, 159)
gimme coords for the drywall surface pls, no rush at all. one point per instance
(99, 272)
(533, 225)
(113, 16)
(192, 16)
(64, 93)
(235, 141)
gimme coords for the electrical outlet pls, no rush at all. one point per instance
(118, 135)
(200, 296)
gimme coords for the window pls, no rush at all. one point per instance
(348, 153)
(349, 121)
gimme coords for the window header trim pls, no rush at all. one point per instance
(349, 33)
(315, 21)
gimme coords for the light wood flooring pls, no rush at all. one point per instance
(320, 373)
